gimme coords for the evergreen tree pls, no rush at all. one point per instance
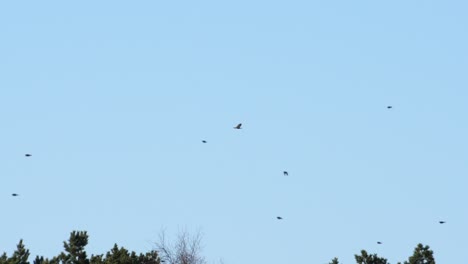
(365, 258)
(421, 255)
(40, 260)
(76, 253)
(21, 254)
(150, 257)
(4, 258)
(118, 256)
(98, 259)
(122, 256)
(334, 261)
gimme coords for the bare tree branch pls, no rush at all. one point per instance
(185, 250)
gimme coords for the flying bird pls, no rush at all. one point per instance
(378, 242)
(204, 141)
(285, 173)
(238, 126)
(14, 194)
(389, 107)
(28, 155)
(441, 222)
(279, 218)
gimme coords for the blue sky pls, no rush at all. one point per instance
(113, 98)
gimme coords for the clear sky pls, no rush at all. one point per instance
(113, 98)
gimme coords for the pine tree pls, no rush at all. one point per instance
(21, 254)
(421, 255)
(4, 258)
(118, 256)
(75, 249)
(334, 261)
(365, 258)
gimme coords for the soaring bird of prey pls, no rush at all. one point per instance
(203, 141)
(28, 155)
(441, 222)
(378, 242)
(279, 218)
(14, 194)
(238, 126)
(285, 173)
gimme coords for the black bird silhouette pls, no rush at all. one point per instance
(27, 155)
(441, 222)
(285, 173)
(378, 242)
(14, 194)
(279, 218)
(389, 107)
(204, 141)
(238, 126)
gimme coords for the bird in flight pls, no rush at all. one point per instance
(238, 126)
(389, 107)
(203, 141)
(14, 194)
(27, 155)
(441, 222)
(279, 218)
(285, 173)
(378, 242)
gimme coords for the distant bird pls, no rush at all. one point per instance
(14, 194)
(238, 126)
(441, 222)
(285, 173)
(378, 242)
(279, 218)
(389, 107)
(204, 141)
(28, 155)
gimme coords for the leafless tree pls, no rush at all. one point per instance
(186, 249)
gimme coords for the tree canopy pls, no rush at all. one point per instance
(75, 253)
(185, 250)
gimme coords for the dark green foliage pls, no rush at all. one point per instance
(4, 258)
(75, 254)
(122, 256)
(365, 258)
(21, 255)
(421, 255)
(41, 260)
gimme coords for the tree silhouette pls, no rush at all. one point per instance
(421, 255)
(75, 248)
(74, 253)
(20, 256)
(365, 258)
(185, 250)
